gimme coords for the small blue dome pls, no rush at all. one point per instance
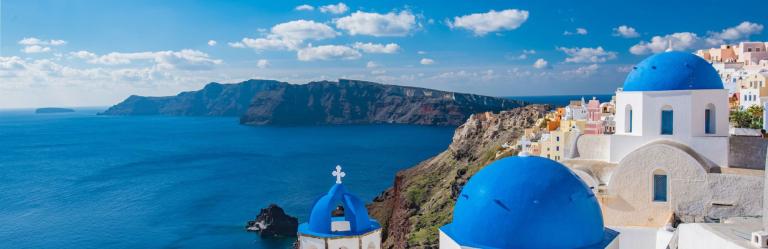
(526, 202)
(672, 71)
(354, 211)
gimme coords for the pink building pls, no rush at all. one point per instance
(594, 118)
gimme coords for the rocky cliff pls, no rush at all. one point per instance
(422, 197)
(260, 102)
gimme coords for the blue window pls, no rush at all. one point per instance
(659, 187)
(667, 122)
(707, 117)
(629, 127)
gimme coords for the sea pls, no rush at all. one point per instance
(80, 180)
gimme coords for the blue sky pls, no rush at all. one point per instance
(95, 53)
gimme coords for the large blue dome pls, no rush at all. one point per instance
(526, 202)
(672, 71)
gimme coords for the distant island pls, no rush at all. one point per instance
(264, 102)
(48, 110)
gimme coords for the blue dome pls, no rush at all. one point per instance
(354, 211)
(672, 71)
(526, 202)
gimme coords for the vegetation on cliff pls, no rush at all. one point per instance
(422, 197)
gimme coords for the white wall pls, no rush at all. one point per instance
(343, 243)
(688, 122)
(697, 236)
(636, 237)
(311, 243)
(371, 240)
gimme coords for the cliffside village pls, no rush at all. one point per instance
(743, 69)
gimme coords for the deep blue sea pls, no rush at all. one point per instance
(79, 180)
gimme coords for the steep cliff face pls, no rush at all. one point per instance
(215, 99)
(260, 102)
(422, 197)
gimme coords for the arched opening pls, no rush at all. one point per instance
(709, 119)
(660, 186)
(338, 221)
(667, 120)
(628, 119)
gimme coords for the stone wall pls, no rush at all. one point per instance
(735, 195)
(747, 152)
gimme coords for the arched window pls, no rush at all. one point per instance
(667, 120)
(660, 188)
(709, 119)
(628, 119)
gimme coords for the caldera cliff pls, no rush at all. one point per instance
(422, 197)
(261, 102)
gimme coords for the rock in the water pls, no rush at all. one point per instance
(273, 222)
(47, 110)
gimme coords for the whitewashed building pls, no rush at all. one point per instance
(672, 96)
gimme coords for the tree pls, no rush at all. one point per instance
(751, 118)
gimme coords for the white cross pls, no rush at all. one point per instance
(338, 174)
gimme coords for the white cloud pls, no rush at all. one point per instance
(35, 45)
(288, 36)
(339, 8)
(378, 72)
(579, 31)
(426, 61)
(421, 52)
(236, 44)
(371, 64)
(327, 52)
(541, 63)
(85, 55)
(625, 31)
(587, 55)
(185, 59)
(739, 32)
(303, 30)
(35, 49)
(29, 41)
(657, 44)
(305, 7)
(375, 24)
(262, 63)
(373, 48)
(523, 55)
(583, 71)
(492, 21)
(682, 41)
(268, 44)
(211, 43)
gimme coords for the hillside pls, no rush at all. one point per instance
(422, 197)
